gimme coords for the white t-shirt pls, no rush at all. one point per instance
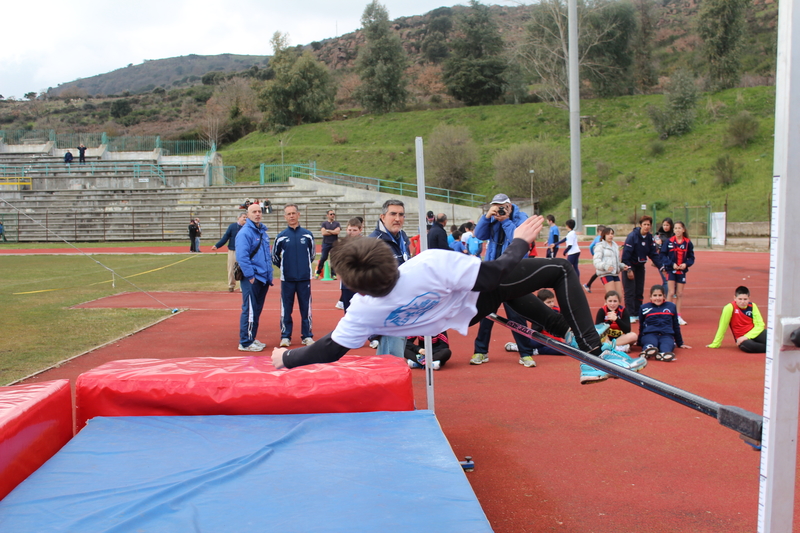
(434, 293)
(572, 240)
(465, 236)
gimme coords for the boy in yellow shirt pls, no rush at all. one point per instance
(745, 322)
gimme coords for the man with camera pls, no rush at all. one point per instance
(497, 227)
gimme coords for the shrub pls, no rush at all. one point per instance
(725, 169)
(450, 156)
(657, 148)
(551, 178)
(742, 129)
(677, 115)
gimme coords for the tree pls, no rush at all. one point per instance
(551, 172)
(603, 50)
(434, 46)
(474, 73)
(450, 156)
(120, 108)
(302, 90)
(721, 27)
(677, 115)
(644, 72)
(31, 95)
(381, 63)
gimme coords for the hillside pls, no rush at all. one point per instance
(168, 73)
(624, 163)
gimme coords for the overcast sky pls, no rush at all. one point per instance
(48, 42)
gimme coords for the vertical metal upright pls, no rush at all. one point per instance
(575, 116)
(782, 379)
(423, 245)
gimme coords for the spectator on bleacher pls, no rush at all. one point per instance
(82, 154)
(267, 207)
(68, 157)
(197, 236)
(230, 239)
(192, 235)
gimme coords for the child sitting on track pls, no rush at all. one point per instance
(438, 290)
(659, 331)
(745, 322)
(618, 320)
(415, 351)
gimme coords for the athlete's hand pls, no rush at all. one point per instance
(277, 358)
(529, 230)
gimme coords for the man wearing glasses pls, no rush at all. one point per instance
(330, 230)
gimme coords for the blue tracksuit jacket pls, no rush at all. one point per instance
(293, 253)
(489, 230)
(247, 239)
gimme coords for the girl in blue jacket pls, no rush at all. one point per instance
(659, 331)
(677, 255)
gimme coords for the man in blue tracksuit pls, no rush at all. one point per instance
(497, 227)
(230, 239)
(294, 253)
(253, 255)
(639, 246)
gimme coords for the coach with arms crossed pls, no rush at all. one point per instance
(255, 260)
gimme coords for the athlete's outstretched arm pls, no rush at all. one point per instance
(324, 350)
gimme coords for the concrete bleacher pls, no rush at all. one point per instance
(116, 200)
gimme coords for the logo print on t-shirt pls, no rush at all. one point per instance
(412, 311)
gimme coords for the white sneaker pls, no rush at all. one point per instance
(413, 364)
(681, 321)
(436, 365)
(285, 343)
(512, 347)
(252, 348)
(373, 344)
(259, 343)
(339, 305)
(308, 341)
(625, 348)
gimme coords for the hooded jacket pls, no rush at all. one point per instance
(489, 230)
(260, 266)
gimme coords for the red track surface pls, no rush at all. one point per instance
(550, 454)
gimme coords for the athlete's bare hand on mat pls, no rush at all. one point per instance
(529, 230)
(277, 358)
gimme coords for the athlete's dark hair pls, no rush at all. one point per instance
(600, 227)
(366, 266)
(545, 294)
(741, 289)
(551, 218)
(457, 235)
(646, 218)
(606, 231)
(570, 224)
(685, 231)
(612, 293)
(453, 228)
(653, 289)
(356, 222)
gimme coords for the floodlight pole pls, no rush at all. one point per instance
(423, 245)
(781, 380)
(575, 116)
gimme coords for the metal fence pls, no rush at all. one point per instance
(142, 143)
(281, 173)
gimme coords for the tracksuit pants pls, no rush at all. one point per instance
(634, 289)
(290, 289)
(253, 296)
(532, 274)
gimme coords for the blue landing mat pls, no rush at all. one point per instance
(384, 471)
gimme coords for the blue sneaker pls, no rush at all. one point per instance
(590, 374)
(622, 359)
(412, 364)
(569, 338)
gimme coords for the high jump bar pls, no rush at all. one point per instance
(747, 424)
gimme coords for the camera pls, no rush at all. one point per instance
(501, 211)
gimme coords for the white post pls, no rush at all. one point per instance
(575, 117)
(423, 245)
(781, 379)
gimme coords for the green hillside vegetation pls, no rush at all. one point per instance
(624, 163)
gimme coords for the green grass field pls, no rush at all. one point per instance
(36, 293)
(621, 169)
